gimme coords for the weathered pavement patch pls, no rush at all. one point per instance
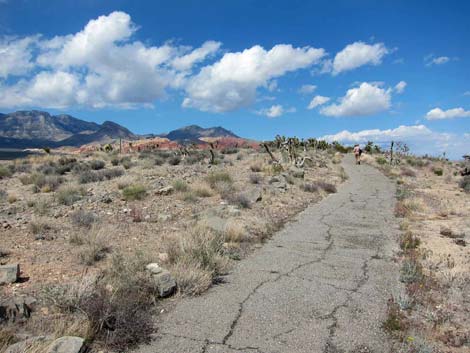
(320, 285)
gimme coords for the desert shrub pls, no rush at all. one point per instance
(126, 162)
(407, 172)
(189, 196)
(191, 278)
(180, 185)
(174, 160)
(91, 176)
(118, 306)
(12, 198)
(256, 178)
(406, 207)
(290, 179)
(3, 195)
(200, 249)
(309, 187)
(276, 168)
(134, 192)
(403, 193)
(164, 154)
(95, 249)
(194, 158)
(202, 191)
(40, 205)
(158, 160)
(217, 177)
(464, 183)
(234, 232)
(96, 164)
(438, 171)
(411, 271)
(83, 218)
(68, 194)
(408, 241)
(229, 150)
(45, 183)
(39, 226)
(239, 200)
(395, 319)
(417, 162)
(5, 172)
(329, 188)
(115, 161)
(381, 160)
(224, 188)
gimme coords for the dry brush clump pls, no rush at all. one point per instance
(116, 306)
(134, 192)
(196, 259)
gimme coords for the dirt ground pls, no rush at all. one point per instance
(37, 230)
(436, 211)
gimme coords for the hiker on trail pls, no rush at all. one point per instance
(357, 153)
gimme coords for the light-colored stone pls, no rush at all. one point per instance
(154, 268)
(167, 190)
(9, 273)
(67, 344)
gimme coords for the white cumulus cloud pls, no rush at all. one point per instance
(16, 55)
(231, 82)
(197, 55)
(439, 114)
(358, 54)
(366, 99)
(317, 100)
(276, 111)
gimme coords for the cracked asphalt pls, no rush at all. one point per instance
(319, 285)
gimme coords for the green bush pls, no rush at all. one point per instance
(134, 192)
(381, 160)
(438, 171)
(464, 183)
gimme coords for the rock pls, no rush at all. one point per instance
(67, 344)
(215, 223)
(165, 283)
(297, 172)
(23, 346)
(9, 273)
(16, 308)
(446, 231)
(163, 257)
(254, 195)
(106, 199)
(163, 217)
(167, 190)
(154, 268)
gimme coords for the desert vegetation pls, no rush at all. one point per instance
(102, 237)
(433, 205)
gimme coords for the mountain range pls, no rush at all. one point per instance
(37, 129)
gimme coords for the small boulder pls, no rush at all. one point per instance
(23, 346)
(167, 190)
(16, 308)
(165, 283)
(67, 344)
(154, 268)
(9, 273)
(254, 195)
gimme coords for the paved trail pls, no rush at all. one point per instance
(320, 285)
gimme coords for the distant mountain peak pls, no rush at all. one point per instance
(194, 133)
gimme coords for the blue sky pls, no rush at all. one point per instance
(366, 69)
